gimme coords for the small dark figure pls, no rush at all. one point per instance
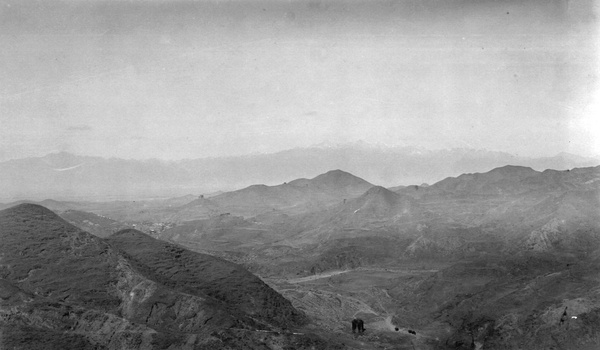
(396, 329)
(412, 332)
(564, 317)
(357, 323)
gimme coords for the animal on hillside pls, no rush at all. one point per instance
(359, 324)
(412, 332)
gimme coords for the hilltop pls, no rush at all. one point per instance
(294, 197)
(378, 202)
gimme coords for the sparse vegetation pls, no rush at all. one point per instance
(63, 288)
(479, 261)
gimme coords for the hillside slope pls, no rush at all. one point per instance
(96, 224)
(204, 275)
(63, 288)
(511, 303)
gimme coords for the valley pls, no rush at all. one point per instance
(486, 260)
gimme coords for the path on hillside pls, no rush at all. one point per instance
(339, 272)
(389, 269)
(317, 276)
(378, 322)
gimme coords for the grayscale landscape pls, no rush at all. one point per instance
(411, 175)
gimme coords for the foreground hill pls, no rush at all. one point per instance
(63, 288)
(199, 274)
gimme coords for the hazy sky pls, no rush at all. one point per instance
(188, 79)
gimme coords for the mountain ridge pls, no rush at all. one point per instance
(296, 196)
(68, 176)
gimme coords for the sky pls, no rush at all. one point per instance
(192, 79)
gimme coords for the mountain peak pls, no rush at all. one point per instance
(30, 210)
(377, 202)
(379, 190)
(339, 180)
(336, 172)
(130, 233)
(381, 194)
(513, 169)
(337, 175)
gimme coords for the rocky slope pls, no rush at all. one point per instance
(204, 275)
(515, 303)
(63, 288)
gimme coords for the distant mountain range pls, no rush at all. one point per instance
(67, 176)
